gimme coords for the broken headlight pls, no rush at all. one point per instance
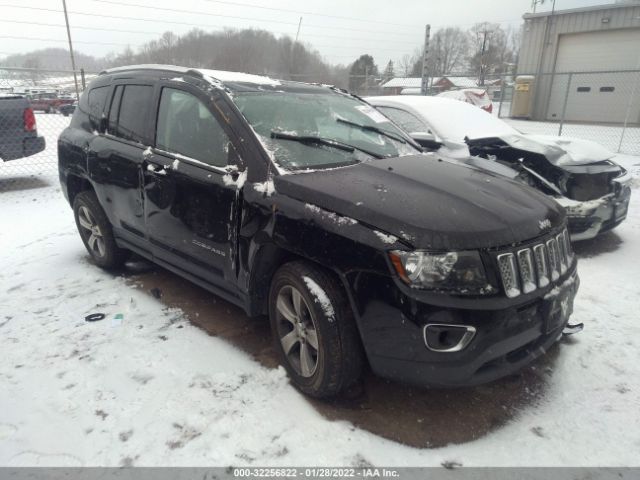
(461, 272)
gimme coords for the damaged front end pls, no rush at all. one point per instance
(595, 191)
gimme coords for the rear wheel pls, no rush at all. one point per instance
(96, 232)
(314, 331)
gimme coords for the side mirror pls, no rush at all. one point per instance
(427, 140)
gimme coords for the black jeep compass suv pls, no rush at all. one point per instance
(303, 203)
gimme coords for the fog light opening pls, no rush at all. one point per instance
(447, 338)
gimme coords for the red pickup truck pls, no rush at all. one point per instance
(48, 102)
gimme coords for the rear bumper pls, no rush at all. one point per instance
(505, 339)
(29, 146)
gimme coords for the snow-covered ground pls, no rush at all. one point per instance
(146, 387)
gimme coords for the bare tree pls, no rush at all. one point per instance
(491, 50)
(448, 51)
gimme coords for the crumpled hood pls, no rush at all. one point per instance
(430, 203)
(578, 151)
(560, 151)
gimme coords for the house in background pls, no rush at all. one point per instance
(395, 86)
(412, 85)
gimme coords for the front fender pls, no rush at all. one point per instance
(276, 229)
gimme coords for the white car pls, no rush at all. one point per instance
(578, 173)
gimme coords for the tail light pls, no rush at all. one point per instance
(29, 120)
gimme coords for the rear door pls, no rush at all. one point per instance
(115, 158)
(191, 190)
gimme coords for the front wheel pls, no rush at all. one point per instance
(96, 232)
(314, 331)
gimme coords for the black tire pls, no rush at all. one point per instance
(339, 357)
(102, 247)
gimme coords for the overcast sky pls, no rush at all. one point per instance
(340, 30)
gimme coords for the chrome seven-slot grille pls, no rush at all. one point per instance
(529, 268)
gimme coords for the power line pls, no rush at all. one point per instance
(65, 41)
(300, 12)
(116, 17)
(200, 12)
(36, 52)
(314, 45)
(116, 30)
(147, 32)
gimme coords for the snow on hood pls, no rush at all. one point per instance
(580, 152)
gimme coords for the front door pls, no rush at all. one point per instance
(191, 198)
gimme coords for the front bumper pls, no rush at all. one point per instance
(588, 219)
(506, 339)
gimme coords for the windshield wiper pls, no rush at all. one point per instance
(371, 128)
(311, 140)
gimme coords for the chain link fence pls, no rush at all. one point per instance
(600, 106)
(603, 106)
(28, 138)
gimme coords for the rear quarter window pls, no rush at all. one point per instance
(90, 108)
(96, 104)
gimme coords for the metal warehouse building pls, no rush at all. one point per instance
(560, 48)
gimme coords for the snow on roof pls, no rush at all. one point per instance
(147, 66)
(461, 82)
(239, 77)
(449, 119)
(220, 75)
(404, 82)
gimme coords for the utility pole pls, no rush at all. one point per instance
(73, 59)
(541, 64)
(485, 34)
(366, 80)
(293, 48)
(424, 86)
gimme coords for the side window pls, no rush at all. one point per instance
(406, 120)
(132, 114)
(186, 126)
(113, 110)
(96, 103)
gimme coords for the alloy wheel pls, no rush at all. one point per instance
(92, 232)
(297, 331)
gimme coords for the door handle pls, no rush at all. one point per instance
(157, 169)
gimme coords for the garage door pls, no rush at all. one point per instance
(597, 97)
